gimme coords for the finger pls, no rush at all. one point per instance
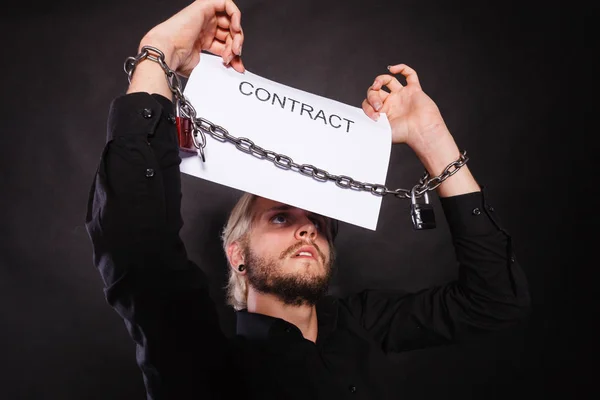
(221, 34)
(383, 95)
(235, 15)
(217, 47)
(228, 51)
(388, 81)
(410, 74)
(236, 21)
(369, 110)
(223, 21)
(376, 96)
(237, 64)
(238, 41)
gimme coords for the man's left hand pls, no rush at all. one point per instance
(414, 117)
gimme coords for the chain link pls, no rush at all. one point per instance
(200, 126)
(184, 107)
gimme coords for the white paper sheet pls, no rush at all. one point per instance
(310, 129)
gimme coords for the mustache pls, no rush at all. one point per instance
(295, 247)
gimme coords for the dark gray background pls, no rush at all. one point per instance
(499, 72)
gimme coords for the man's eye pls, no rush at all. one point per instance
(279, 219)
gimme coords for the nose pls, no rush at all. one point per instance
(307, 231)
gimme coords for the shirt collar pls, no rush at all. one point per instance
(327, 314)
(259, 326)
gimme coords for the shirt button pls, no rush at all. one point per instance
(171, 119)
(288, 329)
(512, 259)
(352, 389)
(491, 208)
(147, 113)
(476, 211)
(149, 173)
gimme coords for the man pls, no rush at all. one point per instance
(292, 342)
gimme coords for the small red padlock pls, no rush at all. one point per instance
(184, 134)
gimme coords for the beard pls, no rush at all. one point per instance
(266, 275)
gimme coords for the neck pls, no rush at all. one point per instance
(304, 316)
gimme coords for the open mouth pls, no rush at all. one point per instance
(307, 251)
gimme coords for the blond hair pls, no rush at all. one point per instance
(236, 230)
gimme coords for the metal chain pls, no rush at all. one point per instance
(184, 107)
(201, 126)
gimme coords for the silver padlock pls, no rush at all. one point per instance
(422, 214)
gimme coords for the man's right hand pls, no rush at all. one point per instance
(211, 25)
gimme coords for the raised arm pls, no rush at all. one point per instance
(491, 292)
(133, 216)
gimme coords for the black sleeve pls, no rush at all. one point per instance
(133, 220)
(491, 291)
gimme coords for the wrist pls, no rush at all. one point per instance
(149, 75)
(436, 149)
(164, 45)
(437, 156)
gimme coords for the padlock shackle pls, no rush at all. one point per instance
(413, 196)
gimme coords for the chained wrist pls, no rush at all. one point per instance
(439, 157)
(169, 56)
(150, 78)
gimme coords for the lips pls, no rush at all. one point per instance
(306, 251)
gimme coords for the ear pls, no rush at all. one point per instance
(235, 255)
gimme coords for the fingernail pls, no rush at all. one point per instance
(377, 106)
(376, 117)
(240, 53)
(389, 67)
(374, 83)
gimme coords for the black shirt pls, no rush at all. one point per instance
(134, 221)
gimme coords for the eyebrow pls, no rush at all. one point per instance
(261, 214)
(283, 207)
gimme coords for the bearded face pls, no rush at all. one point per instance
(299, 285)
(287, 253)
